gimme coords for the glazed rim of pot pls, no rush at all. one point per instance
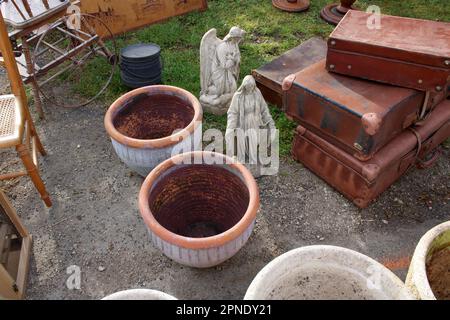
(153, 143)
(207, 242)
(433, 239)
(319, 254)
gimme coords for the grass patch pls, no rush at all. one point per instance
(270, 32)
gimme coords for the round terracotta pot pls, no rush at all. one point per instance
(146, 125)
(199, 214)
(418, 279)
(140, 294)
(326, 273)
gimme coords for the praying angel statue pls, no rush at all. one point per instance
(219, 69)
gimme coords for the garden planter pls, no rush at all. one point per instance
(325, 272)
(199, 214)
(140, 294)
(429, 272)
(142, 125)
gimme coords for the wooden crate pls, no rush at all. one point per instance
(125, 15)
(15, 249)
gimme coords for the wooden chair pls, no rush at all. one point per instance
(15, 249)
(16, 125)
(26, 17)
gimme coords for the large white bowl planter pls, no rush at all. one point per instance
(418, 281)
(199, 214)
(147, 124)
(325, 272)
(139, 294)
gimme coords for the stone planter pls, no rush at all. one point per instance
(431, 284)
(325, 272)
(199, 214)
(142, 123)
(140, 294)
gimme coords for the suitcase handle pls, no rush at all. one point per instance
(424, 164)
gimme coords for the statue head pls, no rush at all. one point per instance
(236, 34)
(248, 85)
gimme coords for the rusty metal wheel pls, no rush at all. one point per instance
(74, 66)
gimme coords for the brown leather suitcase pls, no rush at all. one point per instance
(404, 52)
(359, 116)
(362, 182)
(270, 76)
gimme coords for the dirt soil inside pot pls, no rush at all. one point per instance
(199, 200)
(153, 117)
(438, 272)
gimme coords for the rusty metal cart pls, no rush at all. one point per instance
(52, 38)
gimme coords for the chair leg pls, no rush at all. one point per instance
(32, 170)
(38, 142)
(34, 133)
(37, 99)
(31, 71)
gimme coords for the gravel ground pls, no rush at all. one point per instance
(95, 224)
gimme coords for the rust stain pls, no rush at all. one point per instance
(199, 200)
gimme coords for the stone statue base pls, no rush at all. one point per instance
(216, 105)
(259, 171)
(255, 170)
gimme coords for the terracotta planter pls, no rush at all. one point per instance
(326, 272)
(199, 214)
(140, 294)
(142, 123)
(419, 278)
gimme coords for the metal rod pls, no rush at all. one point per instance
(64, 69)
(46, 49)
(71, 34)
(68, 55)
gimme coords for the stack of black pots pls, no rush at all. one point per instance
(141, 65)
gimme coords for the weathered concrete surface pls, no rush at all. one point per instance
(95, 223)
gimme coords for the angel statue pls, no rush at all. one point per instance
(219, 69)
(248, 120)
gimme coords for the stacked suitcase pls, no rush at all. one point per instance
(375, 107)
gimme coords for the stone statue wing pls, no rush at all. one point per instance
(207, 51)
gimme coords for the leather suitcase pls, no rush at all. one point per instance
(362, 182)
(359, 116)
(404, 52)
(269, 77)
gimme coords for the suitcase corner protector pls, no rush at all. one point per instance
(361, 203)
(370, 171)
(300, 130)
(287, 82)
(371, 123)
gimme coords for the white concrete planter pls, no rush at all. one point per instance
(199, 214)
(325, 272)
(140, 294)
(417, 280)
(142, 123)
